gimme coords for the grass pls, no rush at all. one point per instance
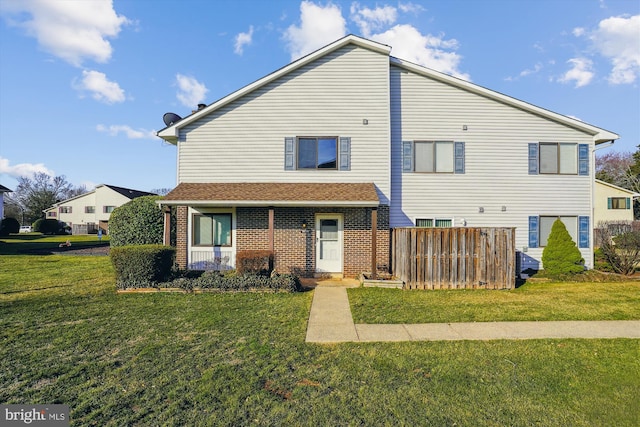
(15, 244)
(241, 359)
(533, 301)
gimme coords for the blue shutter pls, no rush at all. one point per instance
(533, 158)
(628, 203)
(407, 156)
(583, 159)
(533, 231)
(609, 203)
(345, 153)
(583, 231)
(459, 157)
(289, 154)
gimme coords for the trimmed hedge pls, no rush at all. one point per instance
(140, 266)
(9, 225)
(254, 262)
(138, 222)
(49, 226)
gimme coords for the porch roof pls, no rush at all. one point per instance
(273, 194)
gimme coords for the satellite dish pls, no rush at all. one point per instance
(171, 118)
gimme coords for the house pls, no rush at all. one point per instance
(612, 203)
(90, 211)
(320, 159)
(3, 190)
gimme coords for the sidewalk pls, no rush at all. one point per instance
(330, 321)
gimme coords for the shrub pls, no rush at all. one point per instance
(619, 246)
(228, 281)
(561, 256)
(138, 222)
(142, 265)
(9, 225)
(254, 263)
(48, 226)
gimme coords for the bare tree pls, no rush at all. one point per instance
(619, 243)
(36, 194)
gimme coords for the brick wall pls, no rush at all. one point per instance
(181, 237)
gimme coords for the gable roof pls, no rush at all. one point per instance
(607, 184)
(273, 194)
(127, 192)
(4, 189)
(171, 133)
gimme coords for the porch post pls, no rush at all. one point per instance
(166, 237)
(271, 243)
(374, 243)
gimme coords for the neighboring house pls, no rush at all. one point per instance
(612, 203)
(91, 211)
(3, 190)
(320, 159)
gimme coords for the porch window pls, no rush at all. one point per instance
(212, 229)
(318, 153)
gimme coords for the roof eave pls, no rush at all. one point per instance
(275, 203)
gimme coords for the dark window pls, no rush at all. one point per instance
(318, 153)
(65, 209)
(89, 209)
(108, 209)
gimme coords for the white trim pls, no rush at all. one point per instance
(278, 203)
(340, 218)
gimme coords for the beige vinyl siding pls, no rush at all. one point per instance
(601, 210)
(244, 140)
(496, 161)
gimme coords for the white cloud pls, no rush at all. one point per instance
(318, 26)
(526, 72)
(190, 91)
(410, 8)
(100, 87)
(128, 131)
(242, 40)
(578, 31)
(23, 169)
(369, 20)
(430, 51)
(581, 72)
(618, 38)
(71, 30)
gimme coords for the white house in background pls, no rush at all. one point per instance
(91, 211)
(320, 159)
(612, 203)
(3, 190)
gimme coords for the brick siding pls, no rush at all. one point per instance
(181, 237)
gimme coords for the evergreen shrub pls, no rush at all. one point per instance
(138, 222)
(8, 226)
(561, 256)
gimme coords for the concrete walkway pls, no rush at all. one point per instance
(330, 321)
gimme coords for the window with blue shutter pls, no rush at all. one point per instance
(628, 202)
(289, 154)
(533, 231)
(407, 156)
(533, 158)
(459, 157)
(583, 159)
(583, 231)
(345, 153)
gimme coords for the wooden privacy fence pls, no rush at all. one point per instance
(454, 258)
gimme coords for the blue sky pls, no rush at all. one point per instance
(84, 84)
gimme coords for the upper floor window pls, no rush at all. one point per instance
(558, 158)
(619, 203)
(318, 153)
(65, 209)
(212, 229)
(108, 209)
(89, 209)
(433, 156)
(322, 152)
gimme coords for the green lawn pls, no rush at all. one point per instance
(241, 359)
(533, 301)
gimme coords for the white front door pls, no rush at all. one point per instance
(329, 243)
